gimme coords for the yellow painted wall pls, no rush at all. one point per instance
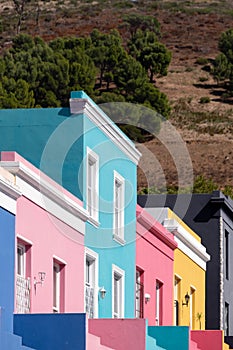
(191, 276)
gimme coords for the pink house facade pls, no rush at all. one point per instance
(50, 228)
(154, 270)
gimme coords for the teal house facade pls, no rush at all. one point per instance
(85, 152)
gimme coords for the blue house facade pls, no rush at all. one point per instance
(84, 151)
(8, 196)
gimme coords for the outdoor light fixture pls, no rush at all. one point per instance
(103, 292)
(41, 278)
(186, 297)
(147, 298)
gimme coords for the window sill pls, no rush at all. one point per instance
(118, 239)
(94, 222)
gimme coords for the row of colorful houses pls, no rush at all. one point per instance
(211, 217)
(83, 266)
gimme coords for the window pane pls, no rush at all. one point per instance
(56, 287)
(115, 297)
(118, 208)
(21, 260)
(92, 184)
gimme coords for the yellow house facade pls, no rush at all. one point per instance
(190, 260)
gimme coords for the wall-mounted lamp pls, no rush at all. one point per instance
(103, 292)
(41, 278)
(186, 297)
(147, 298)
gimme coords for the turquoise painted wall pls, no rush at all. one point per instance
(170, 337)
(49, 138)
(100, 239)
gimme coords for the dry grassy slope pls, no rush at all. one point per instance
(188, 37)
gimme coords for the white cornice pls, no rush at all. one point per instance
(151, 227)
(187, 243)
(47, 189)
(9, 188)
(97, 116)
(9, 193)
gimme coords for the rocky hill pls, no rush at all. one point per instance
(190, 29)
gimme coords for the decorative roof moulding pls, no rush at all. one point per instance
(40, 183)
(9, 192)
(80, 103)
(185, 239)
(152, 225)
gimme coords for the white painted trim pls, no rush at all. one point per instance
(106, 125)
(94, 256)
(193, 287)
(120, 179)
(93, 222)
(121, 273)
(9, 193)
(57, 286)
(178, 276)
(187, 243)
(59, 260)
(45, 194)
(90, 154)
(190, 253)
(118, 239)
(7, 203)
(22, 247)
(24, 240)
(221, 273)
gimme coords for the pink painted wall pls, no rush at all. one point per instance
(208, 340)
(155, 256)
(120, 334)
(49, 237)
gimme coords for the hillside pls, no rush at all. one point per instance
(190, 29)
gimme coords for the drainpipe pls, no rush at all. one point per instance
(221, 272)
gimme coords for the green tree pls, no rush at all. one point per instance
(16, 94)
(151, 97)
(153, 55)
(106, 51)
(225, 44)
(223, 64)
(136, 21)
(57, 68)
(129, 75)
(221, 68)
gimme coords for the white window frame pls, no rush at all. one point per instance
(177, 291)
(226, 319)
(158, 300)
(92, 256)
(22, 260)
(92, 186)
(191, 306)
(118, 208)
(120, 274)
(57, 285)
